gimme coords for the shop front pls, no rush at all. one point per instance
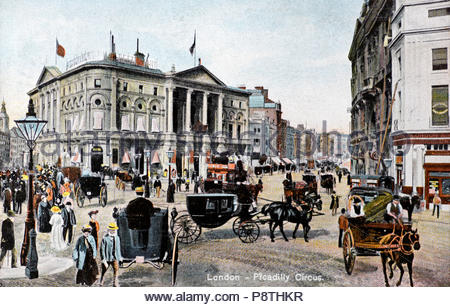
(437, 176)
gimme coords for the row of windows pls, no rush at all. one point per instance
(70, 88)
(439, 59)
(439, 12)
(98, 84)
(437, 147)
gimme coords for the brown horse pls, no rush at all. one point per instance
(254, 190)
(408, 242)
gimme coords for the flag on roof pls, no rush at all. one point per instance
(191, 50)
(60, 49)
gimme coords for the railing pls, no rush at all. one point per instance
(99, 56)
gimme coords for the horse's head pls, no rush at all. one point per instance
(414, 237)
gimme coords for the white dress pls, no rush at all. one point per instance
(57, 229)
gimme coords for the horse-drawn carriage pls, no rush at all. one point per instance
(91, 186)
(212, 211)
(327, 182)
(363, 238)
(144, 235)
(122, 177)
(387, 182)
(311, 181)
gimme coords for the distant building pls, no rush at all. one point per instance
(4, 138)
(420, 118)
(265, 117)
(290, 142)
(19, 149)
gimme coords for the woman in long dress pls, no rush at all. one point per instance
(57, 229)
(44, 216)
(84, 255)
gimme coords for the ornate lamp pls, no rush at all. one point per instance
(30, 129)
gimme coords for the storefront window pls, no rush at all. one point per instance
(446, 186)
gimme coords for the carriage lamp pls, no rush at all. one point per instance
(30, 129)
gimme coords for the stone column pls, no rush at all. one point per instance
(170, 110)
(220, 114)
(187, 127)
(205, 108)
(113, 123)
(58, 108)
(52, 114)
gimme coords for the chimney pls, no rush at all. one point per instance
(199, 61)
(242, 87)
(112, 56)
(139, 57)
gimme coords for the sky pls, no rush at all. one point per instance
(296, 49)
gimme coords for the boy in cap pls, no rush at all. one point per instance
(110, 253)
(8, 240)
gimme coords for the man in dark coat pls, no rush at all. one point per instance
(69, 220)
(340, 176)
(171, 192)
(178, 181)
(196, 186)
(157, 186)
(8, 241)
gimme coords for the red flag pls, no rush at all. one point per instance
(60, 49)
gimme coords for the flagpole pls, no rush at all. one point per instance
(195, 47)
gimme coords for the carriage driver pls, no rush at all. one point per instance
(357, 209)
(394, 211)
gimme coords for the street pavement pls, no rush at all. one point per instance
(219, 258)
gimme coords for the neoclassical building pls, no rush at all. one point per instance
(126, 110)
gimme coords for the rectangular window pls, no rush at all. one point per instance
(439, 12)
(125, 86)
(439, 105)
(97, 83)
(140, 124)
(155, 124)
(155, 91)
(98, 120)
(81, 85)
(125, 122)
(115, 156)
(141, 89)
(439, 58)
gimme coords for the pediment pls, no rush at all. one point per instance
(200, 74)
(48, 73)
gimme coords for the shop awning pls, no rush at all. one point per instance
(155, 159)
(287, 161)
(126, 158)
(276, 160)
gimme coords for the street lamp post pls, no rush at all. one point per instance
(30, 128)
(170, 156)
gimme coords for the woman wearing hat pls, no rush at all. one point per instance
(95, 226)
(84, 255)
(56, 222)
(110, 253)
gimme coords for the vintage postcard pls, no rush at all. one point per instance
(280, 144)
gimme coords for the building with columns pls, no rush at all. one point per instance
(126, 109)
(420, 118)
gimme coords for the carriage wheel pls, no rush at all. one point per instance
(248, 231)
(103, 199)
(79, 195)
(174, 260)
(186, 229)
(236, 224)
(349, 256)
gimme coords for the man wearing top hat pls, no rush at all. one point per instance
(394, 211)
(8, 241)
(110, 253)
